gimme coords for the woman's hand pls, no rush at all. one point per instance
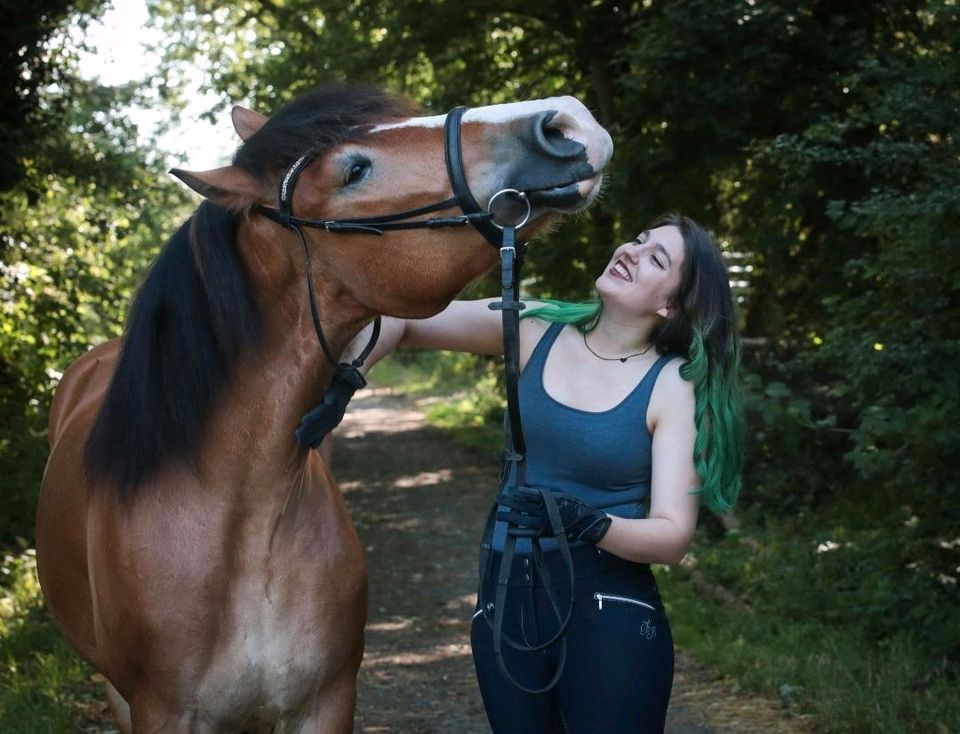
(527, 516)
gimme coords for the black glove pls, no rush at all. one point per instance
(527, 517)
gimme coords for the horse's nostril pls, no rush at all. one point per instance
(553, 134)
(550, 135)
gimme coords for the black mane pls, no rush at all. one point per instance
(194, 314)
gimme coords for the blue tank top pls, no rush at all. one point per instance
(602, 458)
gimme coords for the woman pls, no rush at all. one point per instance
(631, 418)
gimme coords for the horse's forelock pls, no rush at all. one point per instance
(318, 121)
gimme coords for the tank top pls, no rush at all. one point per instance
(603, 458)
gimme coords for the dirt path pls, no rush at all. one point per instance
(419, 502)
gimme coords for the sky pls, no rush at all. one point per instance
(120, 38)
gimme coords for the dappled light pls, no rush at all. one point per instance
(424, 479)
(418, 658)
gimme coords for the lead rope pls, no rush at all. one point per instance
(511, 261)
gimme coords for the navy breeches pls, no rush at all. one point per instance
(618, 670)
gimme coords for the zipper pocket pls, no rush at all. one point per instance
(626, 599)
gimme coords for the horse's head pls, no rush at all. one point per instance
(369, 154)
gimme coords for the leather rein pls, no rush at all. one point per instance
(347, 377)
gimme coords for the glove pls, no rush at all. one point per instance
(526, 516)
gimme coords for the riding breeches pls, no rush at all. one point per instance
(618, 663)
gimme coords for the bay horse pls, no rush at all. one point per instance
(188, 547)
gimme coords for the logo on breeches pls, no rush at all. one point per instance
(648, 629)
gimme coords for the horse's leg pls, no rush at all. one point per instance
(151, 716)
(120, 709)
(331, 712)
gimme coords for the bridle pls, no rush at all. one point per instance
(347, 377)
(472, 212)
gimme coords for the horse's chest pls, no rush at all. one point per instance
(282, 644)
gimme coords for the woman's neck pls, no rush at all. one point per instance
(616, 336)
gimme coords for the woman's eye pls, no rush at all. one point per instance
(355, 171)
(656, 260)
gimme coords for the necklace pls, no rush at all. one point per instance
(614, 359)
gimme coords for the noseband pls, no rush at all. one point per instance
(347, 378)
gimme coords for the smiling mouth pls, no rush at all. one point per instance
(619, 270)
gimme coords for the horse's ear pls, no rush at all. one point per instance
(230, 186)
(246, 122)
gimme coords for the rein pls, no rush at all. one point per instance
(511, 261)
(347, 378)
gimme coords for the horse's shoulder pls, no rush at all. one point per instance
(83, 381)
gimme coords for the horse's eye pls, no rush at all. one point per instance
(355, 171)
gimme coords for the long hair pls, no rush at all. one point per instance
(194, 316)
(191, 319)
(703, 330)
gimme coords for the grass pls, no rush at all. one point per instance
(44, 687)
(458, 392)
(850, 684)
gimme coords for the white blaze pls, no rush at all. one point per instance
(572, 118)
(497, 113)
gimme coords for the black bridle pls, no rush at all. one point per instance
(472, 212)
(347, 378)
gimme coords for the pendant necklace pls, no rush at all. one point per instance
(614, 359)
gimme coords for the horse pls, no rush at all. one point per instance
(188, 547)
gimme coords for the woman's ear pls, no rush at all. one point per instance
(666, 311)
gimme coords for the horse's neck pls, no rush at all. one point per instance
(273, 387)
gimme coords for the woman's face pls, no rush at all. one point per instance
(643, 274)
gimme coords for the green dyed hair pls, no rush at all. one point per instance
(703, 330)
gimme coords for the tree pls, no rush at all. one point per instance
(83, 211)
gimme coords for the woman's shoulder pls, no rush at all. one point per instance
(671, 392)
(670, 380)
(533, 326)
(532, 331)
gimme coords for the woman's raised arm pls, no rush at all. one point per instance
(463, 326)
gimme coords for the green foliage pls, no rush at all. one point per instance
(822, 625)
(88, 212)
(43, 684)
(32, 52)
(872, 392)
